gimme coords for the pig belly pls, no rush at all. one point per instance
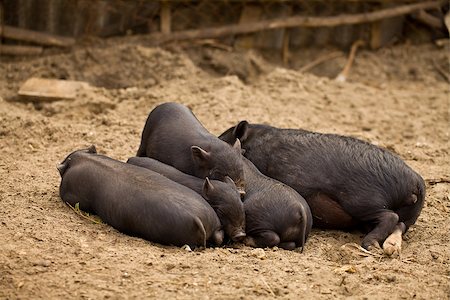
(328, 213)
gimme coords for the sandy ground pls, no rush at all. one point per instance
(394, 98)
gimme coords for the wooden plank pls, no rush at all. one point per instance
(37, 37)
(40, 89)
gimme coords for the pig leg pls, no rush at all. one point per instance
(202, 233)
(328, 213)
(263, 239)
(392, 246)
(386, 222)
(218, 237)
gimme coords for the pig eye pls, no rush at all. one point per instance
(216, 175)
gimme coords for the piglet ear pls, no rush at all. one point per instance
(207, 187)
(92, 149)
(237, 145)
(241, 131)
(200, 156)
(62, 168)
(229, 181)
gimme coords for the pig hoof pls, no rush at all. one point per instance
(392, 246)
(287, 245)
(187, 248)
(373, 246)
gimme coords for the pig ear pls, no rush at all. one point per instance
(92, 149)
(207, 187)
(241, 131)
(62, 168)
(229, 181)
(237, 145)
(413, 198)
(200, 155)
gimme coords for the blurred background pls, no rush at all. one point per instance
(100, 18)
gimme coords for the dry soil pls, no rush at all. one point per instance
(394, 97)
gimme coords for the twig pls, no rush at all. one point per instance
(429, 20)
(267, 285)
(441, 71)
(321, 59)
(344, 73)
(295, 21)
(357, 249)
(215, 44)
(437, 180)
(80, 213)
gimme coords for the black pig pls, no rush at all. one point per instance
(222, 196)
(276, 215)
(173, 135)
(138, 201)
(347, 182)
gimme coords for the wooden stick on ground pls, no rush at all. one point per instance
(344, 73)
(20, 50)
(296, 21)
(37, 37)
(94, 219)
(441, 71)
(320, 60)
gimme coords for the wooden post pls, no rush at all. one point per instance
(53, 8)
(386, 31)
(285, 54)
(250, 13)
(2, 20)
(165, 17)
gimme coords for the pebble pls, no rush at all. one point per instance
(258, 253)
(42, 263)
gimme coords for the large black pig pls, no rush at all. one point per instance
(173, 135)
(275, 214)
(347, 182)
(222, 196)
(137, 201)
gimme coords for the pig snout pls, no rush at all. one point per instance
(240, 186)
(238, 236)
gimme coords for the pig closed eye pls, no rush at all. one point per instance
(216, 175)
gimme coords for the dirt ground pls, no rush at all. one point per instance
(394, 98)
